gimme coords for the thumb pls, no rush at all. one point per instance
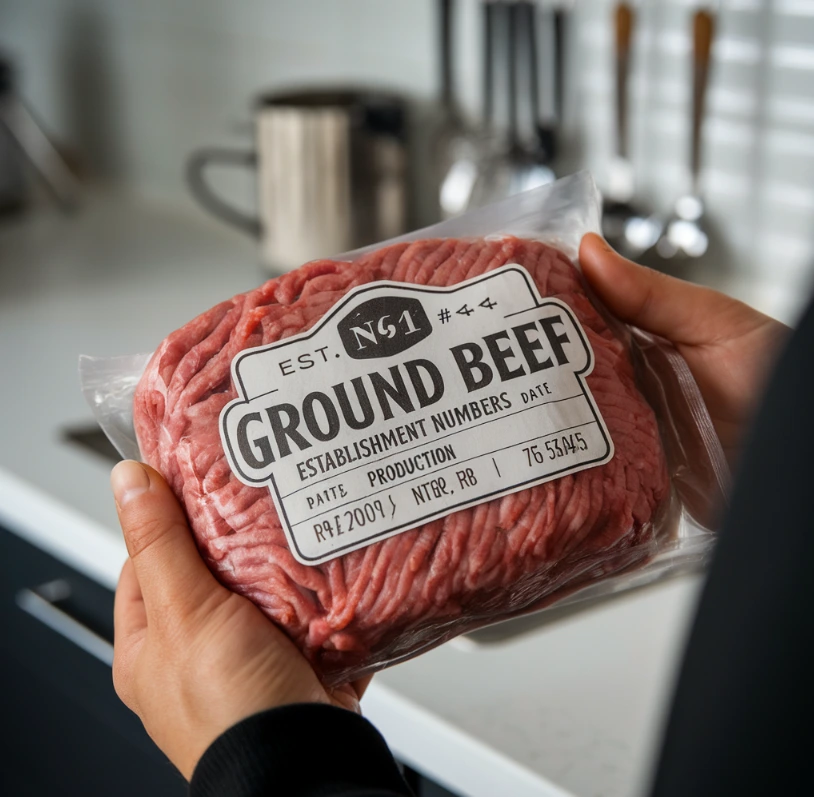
(670, 307)
(170, 571)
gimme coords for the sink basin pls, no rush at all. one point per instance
(91, 438)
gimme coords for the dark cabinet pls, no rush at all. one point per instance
(64, 730)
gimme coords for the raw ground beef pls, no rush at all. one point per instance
(406, 593)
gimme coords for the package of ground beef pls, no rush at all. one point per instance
(386, 449)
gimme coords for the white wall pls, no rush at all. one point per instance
(139, 83)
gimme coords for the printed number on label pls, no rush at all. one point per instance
(558, 447)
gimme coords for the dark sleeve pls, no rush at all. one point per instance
(742, 711)
(303, 750)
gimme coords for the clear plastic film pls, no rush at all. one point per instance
(508, 446)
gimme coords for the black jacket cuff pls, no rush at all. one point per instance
(302, 750)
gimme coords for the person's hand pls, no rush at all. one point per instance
(190, 657)
(728, 345)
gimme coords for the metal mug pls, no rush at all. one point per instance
(331, 174)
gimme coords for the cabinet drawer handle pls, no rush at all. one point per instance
(39, 603)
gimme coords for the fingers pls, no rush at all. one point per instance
(129, 628)
(346, 697)
(361, 684)
(677, 310)
(129, 617)
(169, 570)
(349, 695)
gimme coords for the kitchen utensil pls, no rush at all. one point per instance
(559, 20)
(685, 234)
(468, 152)
(23, 142)
(331, 173)
(524, 37)
(448, 103)
(454, 147)
(511, 159)
(550, 117)
(628, 228)
(12, 179)
(538, 149)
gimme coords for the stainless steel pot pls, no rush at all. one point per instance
(331, 174)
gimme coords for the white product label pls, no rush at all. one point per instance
(405, 403)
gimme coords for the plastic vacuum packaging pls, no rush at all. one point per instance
(392, 447)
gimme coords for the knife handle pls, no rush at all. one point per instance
(624, 19)
(703, 33)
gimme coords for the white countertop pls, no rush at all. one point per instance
(572, 708)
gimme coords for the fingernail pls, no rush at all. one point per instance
(594, 240)
(603, 243)
(128, 479)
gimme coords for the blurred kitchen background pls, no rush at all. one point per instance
(128, 126)
(128, 90)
